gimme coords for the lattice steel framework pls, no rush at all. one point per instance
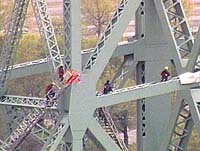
(12, 37)
(67, 33)
(177, 29)
(75, 117)
(182, 128)
(47, 31)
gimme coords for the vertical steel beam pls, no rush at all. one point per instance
(72, 33)
(141, 108)
(67, 33)
(140, 78)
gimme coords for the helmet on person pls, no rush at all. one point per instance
(61, 65)
(108, 81)
(166, 68)
(53, 83)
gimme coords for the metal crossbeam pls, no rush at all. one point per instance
(39, 131)
(140, 92)
(41, 66)
(12, 37)
(46, 31)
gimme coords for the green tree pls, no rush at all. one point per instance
(5, 10)
(194, 143)
(30, 48)
(89, 42)
(97, 13)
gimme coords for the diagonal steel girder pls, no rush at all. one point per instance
(18, 135)
(195, 107)
(112, 35)
(101, 136)
(57, 135)
(194, 60)
(181, 125)
(167, 21)
(176, 28)
(47, 31)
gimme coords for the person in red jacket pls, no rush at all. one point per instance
(50, 93)
(165, 74)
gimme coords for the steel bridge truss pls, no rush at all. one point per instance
(65, 135)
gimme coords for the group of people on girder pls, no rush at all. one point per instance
(66, 78)
(107, 88)
(70, 76)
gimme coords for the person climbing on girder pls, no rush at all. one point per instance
(50, 94)
(165, 74)
(101, 115)
(61, 72)
(107, 87)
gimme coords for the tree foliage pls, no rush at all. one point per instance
(189, 7)
(5, 10)
(30, 48)
(97, 13)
